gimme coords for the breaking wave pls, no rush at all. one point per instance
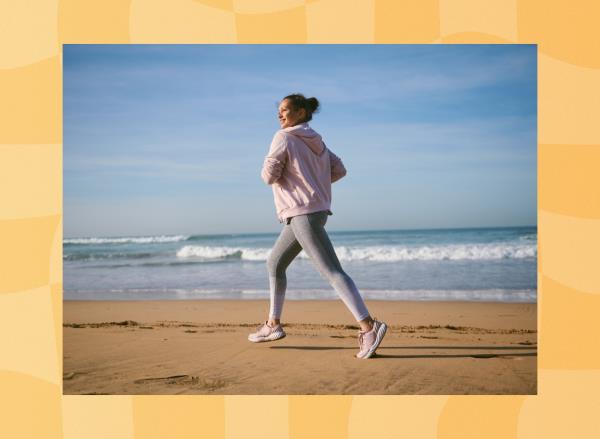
(127, 240)
(377, 253)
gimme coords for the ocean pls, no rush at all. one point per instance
(472, 264)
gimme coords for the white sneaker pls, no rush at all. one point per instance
(369, 341)
(266, 333)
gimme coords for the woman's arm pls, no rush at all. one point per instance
(337, 167)
(275, 160)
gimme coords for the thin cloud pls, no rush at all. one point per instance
(213, 170)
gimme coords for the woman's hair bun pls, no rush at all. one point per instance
(312, 104)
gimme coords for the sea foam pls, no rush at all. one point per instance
(377, 253)
(208, 252)
(127, 240)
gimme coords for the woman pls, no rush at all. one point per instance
(300, 169)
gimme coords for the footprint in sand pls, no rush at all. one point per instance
(71, 375)
(185, 379)
(169, 380)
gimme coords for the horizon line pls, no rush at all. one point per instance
(275, 233)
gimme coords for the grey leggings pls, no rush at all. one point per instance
(308, 232)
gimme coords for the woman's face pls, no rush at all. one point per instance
(288, 117)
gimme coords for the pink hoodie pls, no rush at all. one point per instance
(300, 169)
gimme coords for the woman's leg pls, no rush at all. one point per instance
(284, 251)
(310, 233)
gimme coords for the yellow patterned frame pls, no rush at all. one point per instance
(568, 39)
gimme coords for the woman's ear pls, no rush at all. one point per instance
(302, 113)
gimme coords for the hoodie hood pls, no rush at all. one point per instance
(308, 135)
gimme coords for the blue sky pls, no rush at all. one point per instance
(169, 139)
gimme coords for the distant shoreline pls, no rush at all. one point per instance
(491, 296)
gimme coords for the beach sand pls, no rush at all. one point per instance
(201, 347)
